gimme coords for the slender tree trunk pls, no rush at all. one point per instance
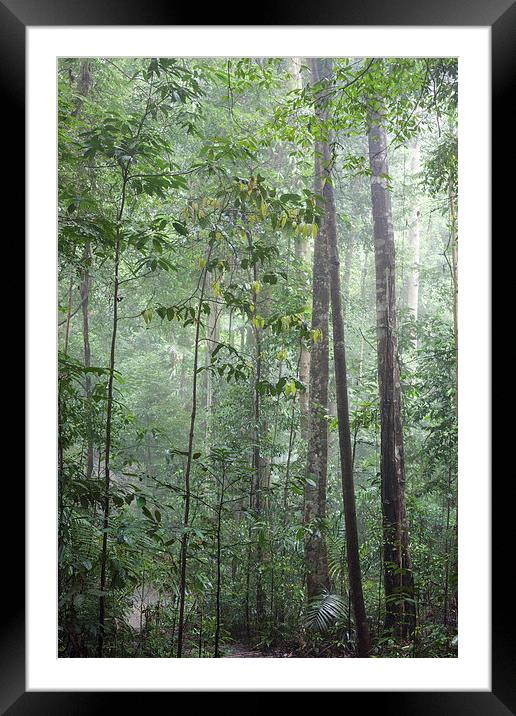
(85, 299)
(362, 308)
(302, 251)
(188, 469)
(341, 389)
(212, 337)
(109, 401)
(447, 551)
(68, 314)
(83, 87)
(258, 462)
(216, 653)
(200, 650)
(258, 470)
(455, 283)
(347, 274)
(398, 577)
(346, 456)
(109, 412)
(248, 587)
(411, 287)
(316, 561)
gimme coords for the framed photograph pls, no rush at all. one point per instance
(258, 354)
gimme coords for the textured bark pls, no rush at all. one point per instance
(398, 577)
(302, 251)
(83, 85)
(316, 560)
(341, 391)
(304, 397)
(411, 287)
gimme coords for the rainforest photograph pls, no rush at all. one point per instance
(257, 311)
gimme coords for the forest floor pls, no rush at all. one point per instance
(241, 650)
(244, 651)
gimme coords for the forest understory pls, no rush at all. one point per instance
(258, 338)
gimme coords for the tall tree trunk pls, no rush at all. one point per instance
(341, 389)
(212, 338)
(411, 287)
(259, 464)
(258, 471)
(302, 251)
(348, 263)
(398, 577)
(316, 560)
(109, 413)
(83, 86)
(220, 506)
(447, 549)
(68, 325)
(188, 469)
(455, 282)
(85, 299)
(362, 308)
(109, 400)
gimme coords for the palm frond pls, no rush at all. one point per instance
(324, 610)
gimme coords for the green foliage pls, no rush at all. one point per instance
(191, 181)
(324, 611)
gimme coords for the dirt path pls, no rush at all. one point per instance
(243, 651)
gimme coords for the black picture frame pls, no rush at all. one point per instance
(500, 16)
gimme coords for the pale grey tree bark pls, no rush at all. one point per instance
(316, 560)
(411, 286)
(302, 251)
